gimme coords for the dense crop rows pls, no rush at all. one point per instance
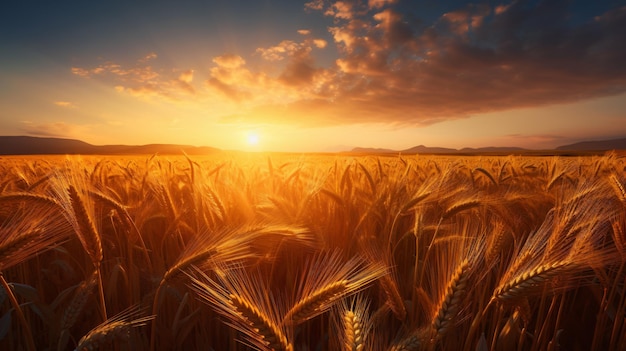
(263, 252)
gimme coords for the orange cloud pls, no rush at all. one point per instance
(316, 5)
(65, 104)
(52, 129)
(143, 80)
(320, 43)
(461, 21)
(280, 51)
(472, 60)
(375, 4)
(467, 62)
(229, 61)
(340, 9)
(186, 76)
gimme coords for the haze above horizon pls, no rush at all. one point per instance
(315, 75)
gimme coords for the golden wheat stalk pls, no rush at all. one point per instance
(28, 335)
(12, 250)
(619, 189)
(352, 328)
(71, 193)
(450, 303)
(81, 295)
(32, 198)
(86, 229)
(460, 207)
(523, 284)
(388, 282)
(354, 323)
(210, 250)
(267, 330)
(326, 280)
(228, 245)
(313, 303)
(27, 233)
(394, 299)
(246, 300)
(414, 342)
(75, 308)
(118, 327)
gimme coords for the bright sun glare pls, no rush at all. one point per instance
(253, 139)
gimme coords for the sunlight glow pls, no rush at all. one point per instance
(253, 139)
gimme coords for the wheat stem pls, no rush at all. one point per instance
(28, 335)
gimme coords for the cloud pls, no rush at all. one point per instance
(375, 4)
(279, 52)
(142, 79)
(51, 129)
(229, 61)
(473, 59)
(65, 104)
(315, 5)
(148, 57)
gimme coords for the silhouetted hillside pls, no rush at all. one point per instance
(25, 145)
(598, 145)
(593, 147)
(421, 149)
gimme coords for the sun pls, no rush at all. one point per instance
(253, 139)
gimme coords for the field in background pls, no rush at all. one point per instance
(255, 251)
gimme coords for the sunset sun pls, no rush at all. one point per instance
(252, 139)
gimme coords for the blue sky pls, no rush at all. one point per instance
(315, 75)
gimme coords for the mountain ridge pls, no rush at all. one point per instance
(29, 145)
(583, 146)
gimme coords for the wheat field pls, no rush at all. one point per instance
(315, 252)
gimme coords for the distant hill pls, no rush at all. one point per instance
(600, 145)
(25, 145)
(421, 149)
(581, 147)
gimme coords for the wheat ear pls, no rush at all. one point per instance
(355, 323)
(325, 280)
(10, 250)
(619, 188)
(352, 329)
(267, 330)
(414, 342)
(26, 234)
(29, 197)
(459, 207)
(115, 328)
(87, 233)
(394, 299)
(247, 302)
(75, 307)
(522, 283)
(450, 302)
(311, 304)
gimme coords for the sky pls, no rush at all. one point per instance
(315, 76)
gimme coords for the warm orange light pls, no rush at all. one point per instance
(253, 139)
